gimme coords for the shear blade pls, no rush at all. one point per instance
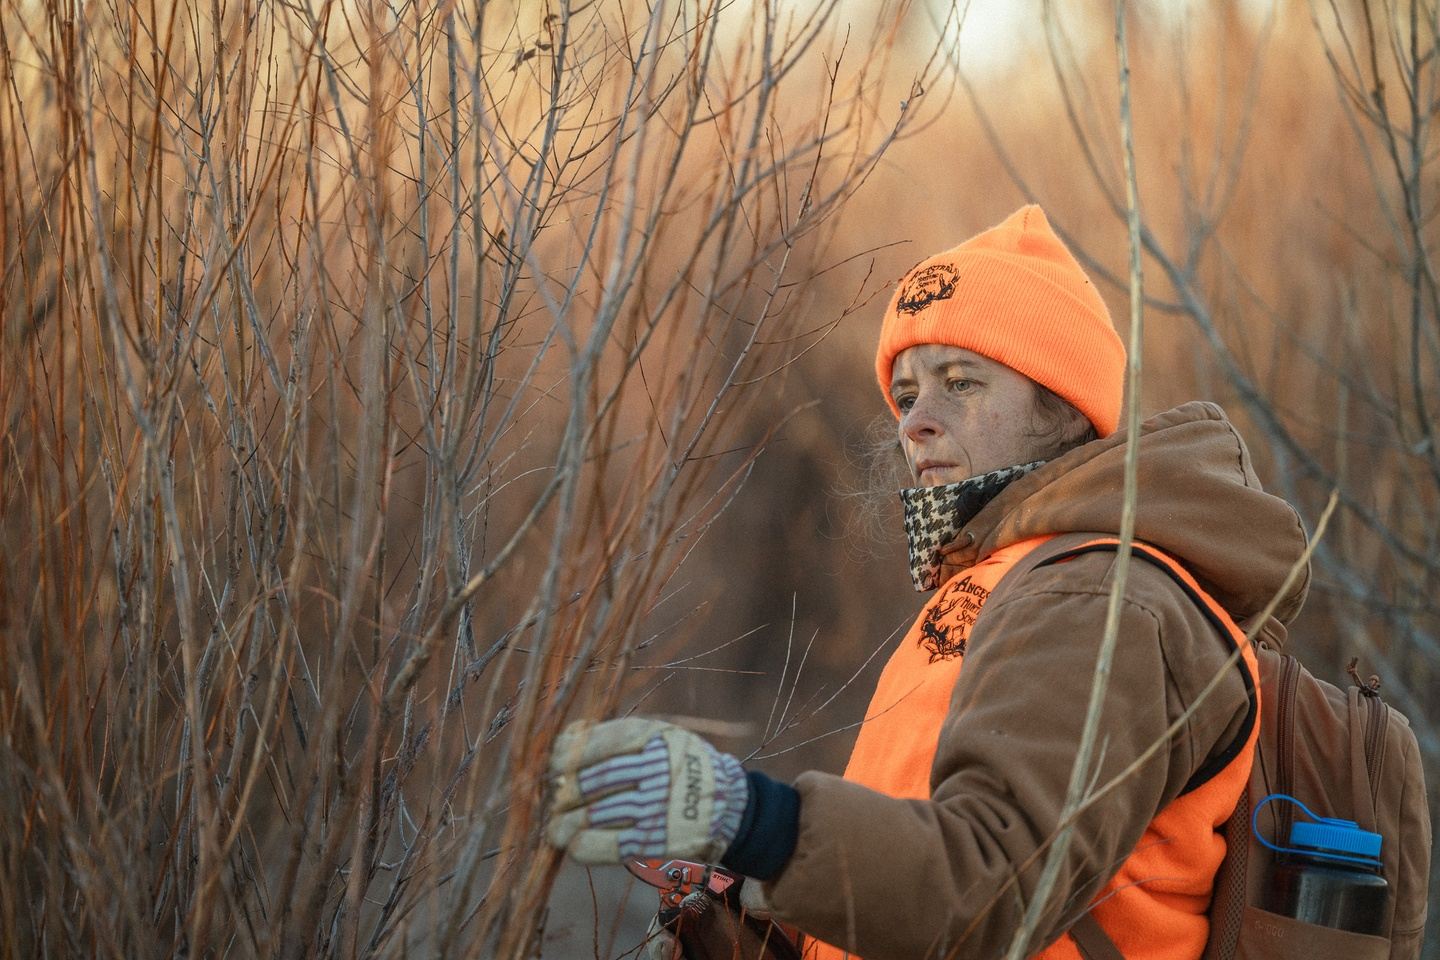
(652, 870)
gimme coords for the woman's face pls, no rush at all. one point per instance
(961, 414)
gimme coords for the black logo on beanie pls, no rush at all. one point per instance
(924, 287)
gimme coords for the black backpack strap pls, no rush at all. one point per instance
(1252, 714)
(1092, 940)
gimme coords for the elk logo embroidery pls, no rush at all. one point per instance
(924, 287)
(946, 627)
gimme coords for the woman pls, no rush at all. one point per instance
(1003, 368)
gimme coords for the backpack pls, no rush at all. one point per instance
(1343, 753)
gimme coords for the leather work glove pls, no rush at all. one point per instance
(660, 943)
(753, 901)
(643, 788)
(711, 927)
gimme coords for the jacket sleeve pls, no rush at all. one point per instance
(950, 876)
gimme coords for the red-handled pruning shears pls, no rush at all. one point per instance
(677, 879)
(739, 936)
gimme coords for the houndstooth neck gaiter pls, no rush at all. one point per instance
(934, 516)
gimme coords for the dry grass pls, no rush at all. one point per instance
(369, 370)
(377, 382)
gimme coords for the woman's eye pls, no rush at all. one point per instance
(961, 386)
(905, 401)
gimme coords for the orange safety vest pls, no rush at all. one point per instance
(1165, 883)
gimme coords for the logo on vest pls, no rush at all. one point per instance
(946, 627)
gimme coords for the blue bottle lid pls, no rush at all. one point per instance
(1323, 838)
(1332, 836)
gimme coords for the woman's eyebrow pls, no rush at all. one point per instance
(949, 368)
(941, 368)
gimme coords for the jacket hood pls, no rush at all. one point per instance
(1199, 501)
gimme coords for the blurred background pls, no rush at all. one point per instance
(386, 384)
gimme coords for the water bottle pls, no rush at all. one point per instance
(1328, 874)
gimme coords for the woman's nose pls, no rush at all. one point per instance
(920, 422)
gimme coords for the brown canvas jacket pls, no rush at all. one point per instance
(949, 876)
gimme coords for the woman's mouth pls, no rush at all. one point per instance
(928, 472)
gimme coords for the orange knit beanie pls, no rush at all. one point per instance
(1014, 294)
